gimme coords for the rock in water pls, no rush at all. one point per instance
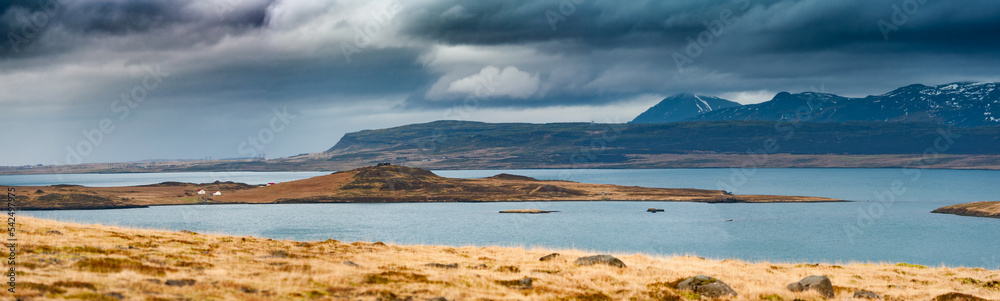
(867, 294)
(817, 283)
(706, 286)
(549, 257)
(602, 259)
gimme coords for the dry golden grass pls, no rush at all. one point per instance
(94, 262)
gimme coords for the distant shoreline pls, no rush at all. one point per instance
(656, 161)
(436, 202)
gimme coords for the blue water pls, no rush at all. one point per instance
(882, 225)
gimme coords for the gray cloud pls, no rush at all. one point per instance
(233, 61)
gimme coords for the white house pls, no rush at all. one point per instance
(217, 193)
(201, 191)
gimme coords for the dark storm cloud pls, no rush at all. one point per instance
(30, 25)
(772, 44)
(768, 25)
(232, 61)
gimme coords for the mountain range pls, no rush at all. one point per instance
(682, 107)
(957, 104)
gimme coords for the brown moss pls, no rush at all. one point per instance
(192, 264)
(90, 296)
(43, 288)
(589, 297)
(115, 265)
(661, 291)
(75, 284)
(395, 276)
(509, 269)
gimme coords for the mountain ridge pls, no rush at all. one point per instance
(963, 104)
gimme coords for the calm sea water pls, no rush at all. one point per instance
(883, 224)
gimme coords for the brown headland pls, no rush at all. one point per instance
(373, 184)
(980, 209)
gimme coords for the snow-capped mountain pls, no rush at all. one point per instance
(682, 106)
(958, 104)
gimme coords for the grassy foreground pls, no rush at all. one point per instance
(71, 261)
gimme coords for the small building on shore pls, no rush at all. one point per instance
(217, 193)
(201, 191)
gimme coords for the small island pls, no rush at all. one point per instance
(978, 209)
(374, 184)
(527, 211)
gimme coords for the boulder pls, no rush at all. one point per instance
(600, 259)
(443, 266)
(957, 297)
(523, 284)
(481, 266)
(351, 263)
(817, 283)
(867, 294)
(549, 257)
(706, 286)
(180, 282)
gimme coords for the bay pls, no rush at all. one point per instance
(888, 220)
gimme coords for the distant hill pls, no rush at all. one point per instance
(681, 107)
(958, 104)
(557, 145)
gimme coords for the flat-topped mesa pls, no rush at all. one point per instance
(394, 177)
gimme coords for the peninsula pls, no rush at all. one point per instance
(373, 184)
(979, 209)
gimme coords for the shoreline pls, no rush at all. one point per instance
(447, 168)
(65, 260)
(987, 209)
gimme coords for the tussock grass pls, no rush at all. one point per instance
(94, 262)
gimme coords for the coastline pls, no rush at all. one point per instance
(375, 184)
(418, 202)
(66, 260)
(658, 161)
(988, 209)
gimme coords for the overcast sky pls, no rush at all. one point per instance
(195, 78)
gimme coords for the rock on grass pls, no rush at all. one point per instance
(600, 259)
(817, 283)
(706, 286)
